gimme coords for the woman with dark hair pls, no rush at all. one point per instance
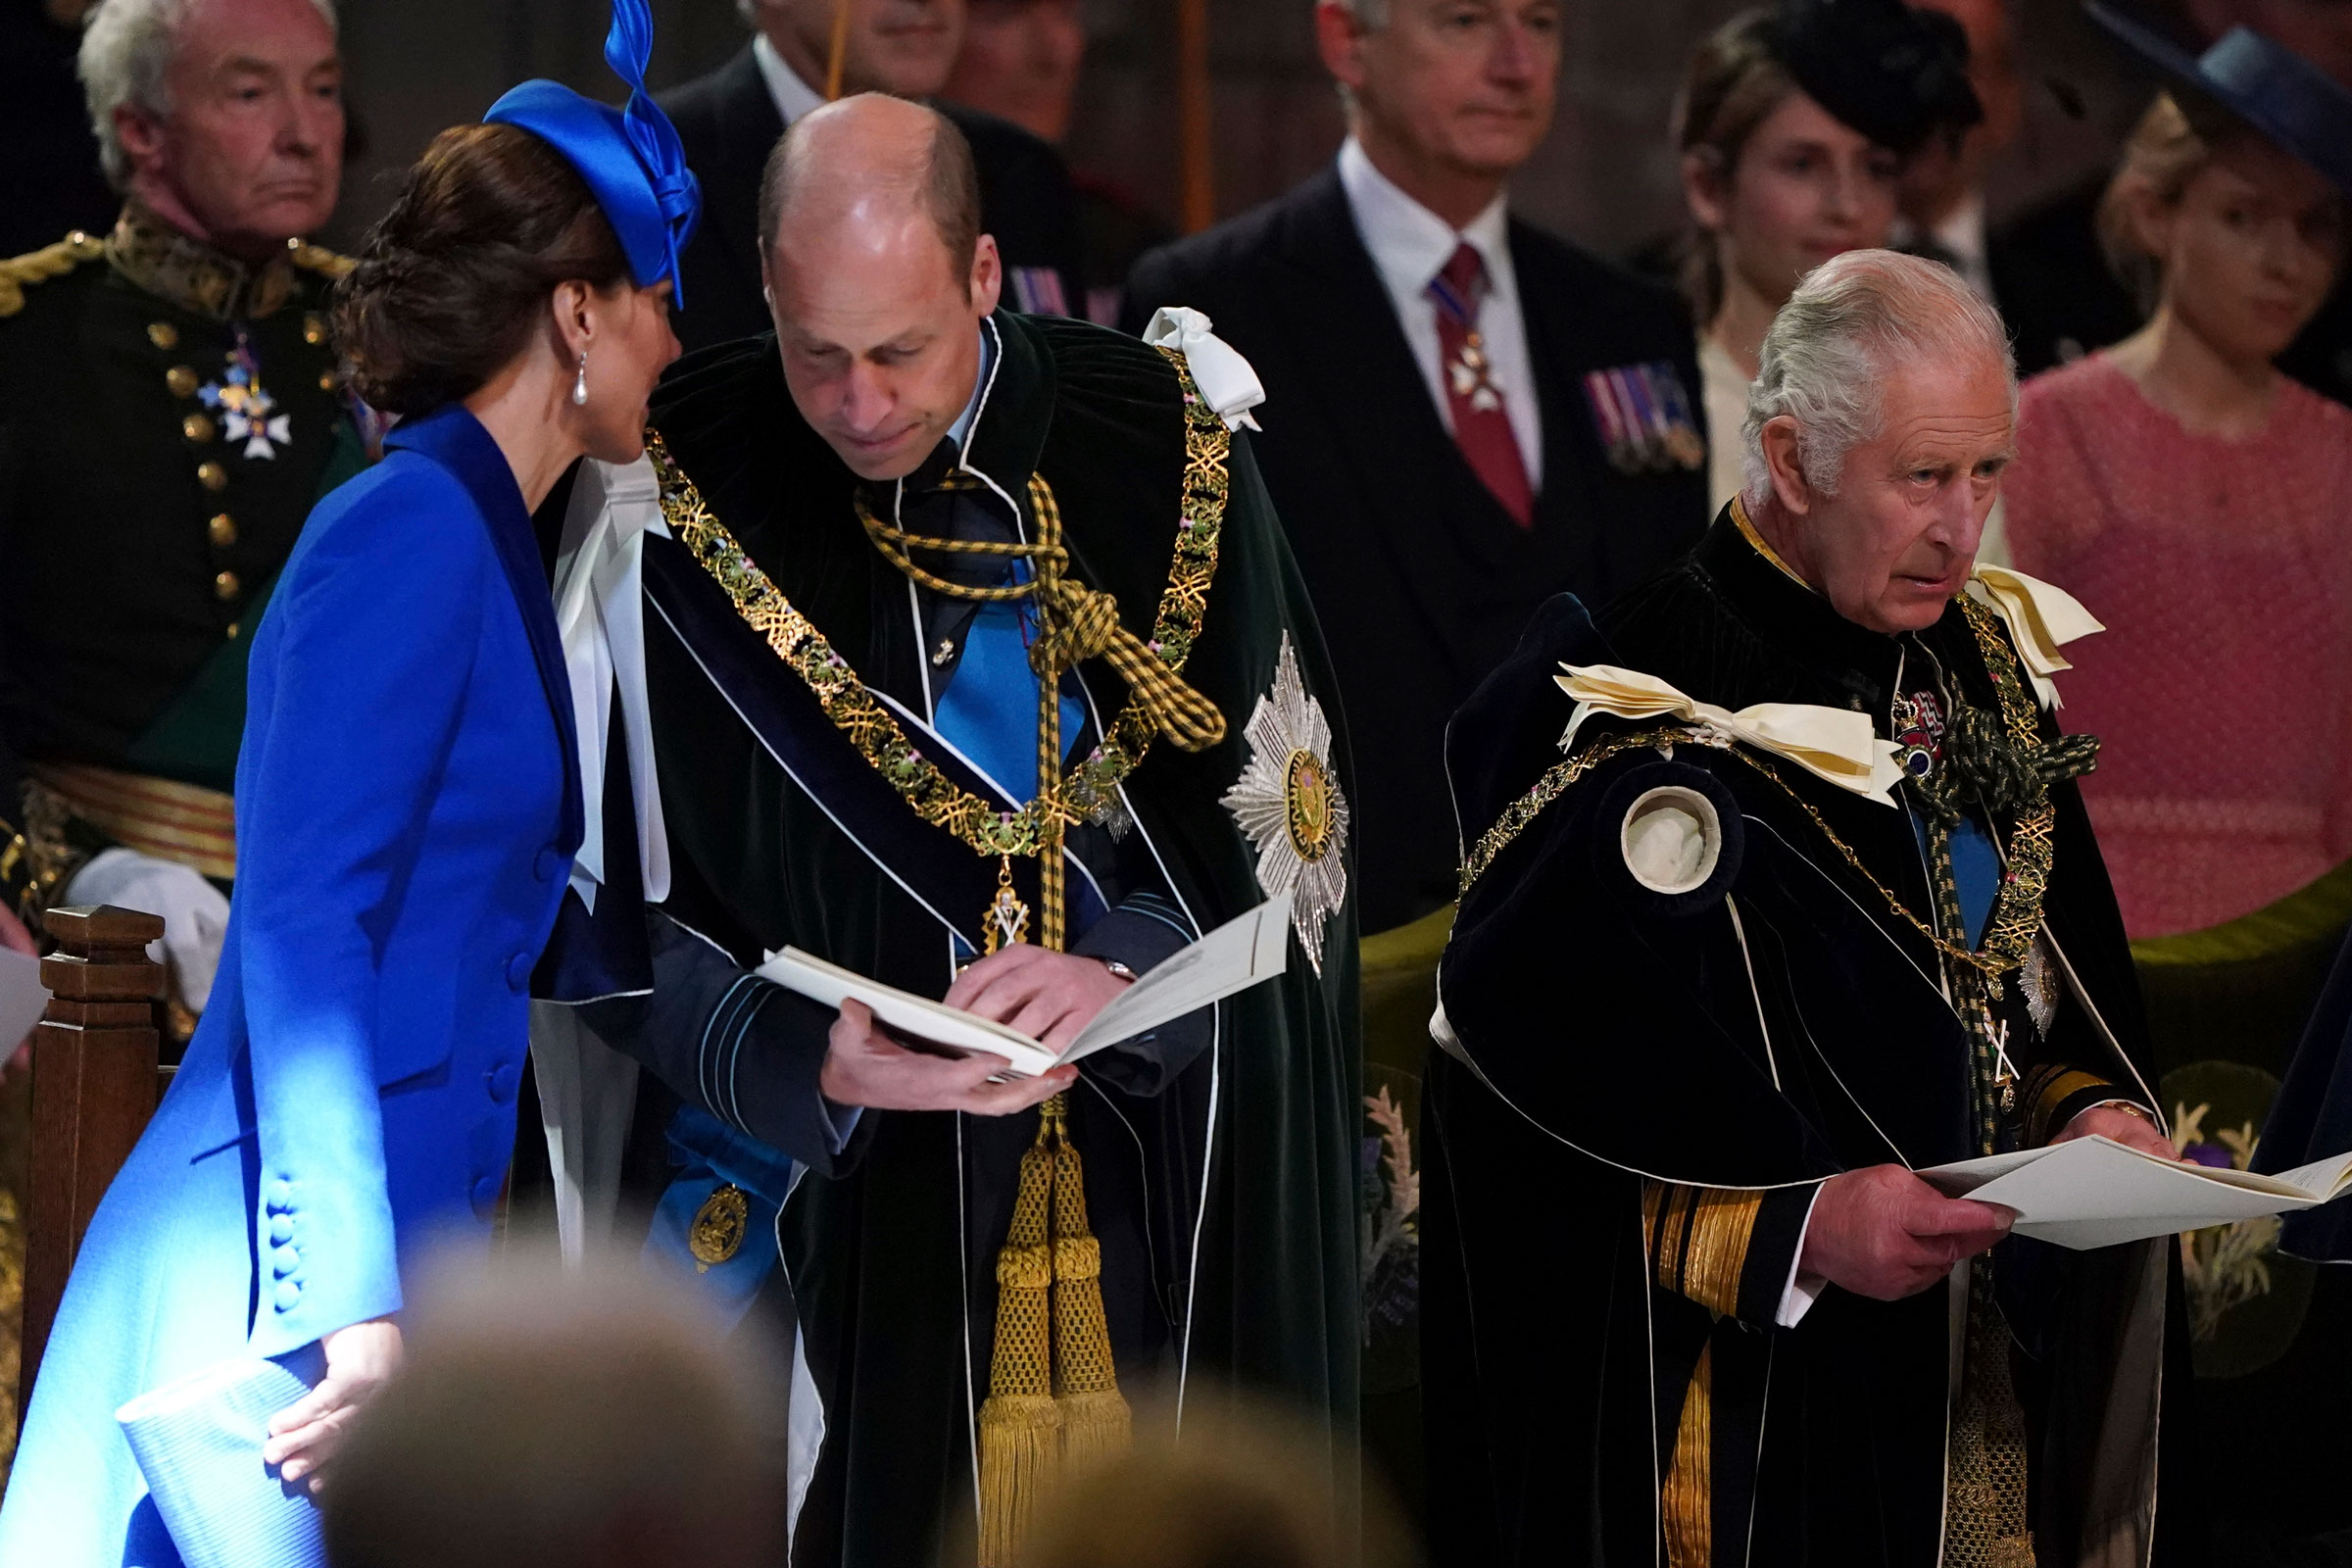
(2193, 496)
(408, 804)
(1793, 124)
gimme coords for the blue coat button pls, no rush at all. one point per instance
(550, 861)
(485, 1195)
(281, 1229)
(504, 1081)
(281, 1197)
(518, 971)
(285, 1260)
(289, 1292)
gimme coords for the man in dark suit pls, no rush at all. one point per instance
(731, 118)
(1463, 414)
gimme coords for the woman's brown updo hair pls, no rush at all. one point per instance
(1732, 85)
(453, 279)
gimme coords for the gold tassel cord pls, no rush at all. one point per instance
(1054, 1395)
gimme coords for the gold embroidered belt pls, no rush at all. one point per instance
(186, 823)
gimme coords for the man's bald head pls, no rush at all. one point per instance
(878, 277)
(864, 156)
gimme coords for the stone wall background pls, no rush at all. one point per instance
(1603, 177)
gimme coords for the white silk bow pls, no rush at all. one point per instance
(599, 611)
(2041, 617)
(1226, 382)
(1831, 742)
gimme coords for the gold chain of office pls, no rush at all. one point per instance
(1075, 622)
(2017, 913)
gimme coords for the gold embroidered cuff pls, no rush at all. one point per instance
(1698, 1240)
(2047, 1091)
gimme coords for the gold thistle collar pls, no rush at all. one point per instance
(2031, 845)
(1088, 789)
(193, 275)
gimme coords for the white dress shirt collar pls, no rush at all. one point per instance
(792, 96)
(1409, 243)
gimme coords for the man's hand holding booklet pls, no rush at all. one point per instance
(2094, 1192)
(1233, 958)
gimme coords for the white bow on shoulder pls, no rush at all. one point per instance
(2040, 617)
(1226, 382)
(1831, 742)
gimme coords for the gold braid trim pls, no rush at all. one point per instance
(38, 267)
(1088, 787)
(319, 258)
(1686, 1507)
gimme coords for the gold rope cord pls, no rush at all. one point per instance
(1054, 1392)
(1088, 787)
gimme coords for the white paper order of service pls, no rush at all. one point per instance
(2094, 1192)
(1233, 958)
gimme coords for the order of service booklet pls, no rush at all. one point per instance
(2094, 1192)
(1235, 957)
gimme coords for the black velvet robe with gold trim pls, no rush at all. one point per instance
(1225, 1200)
(1642, 1092)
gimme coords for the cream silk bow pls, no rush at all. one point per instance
(2041, 617)
(1830, 743)
(600, 612)
(1225, 379)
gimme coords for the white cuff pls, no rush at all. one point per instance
(1802, 1290)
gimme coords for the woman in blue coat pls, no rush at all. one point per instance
(408, 807)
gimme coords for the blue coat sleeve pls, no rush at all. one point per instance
(375, 635)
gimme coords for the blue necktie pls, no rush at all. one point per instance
(989, 710)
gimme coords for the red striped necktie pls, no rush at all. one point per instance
(1482, 425)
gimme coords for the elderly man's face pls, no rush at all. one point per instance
(1900, 537)
(1465, 85)
(879, 333)
(250, 153)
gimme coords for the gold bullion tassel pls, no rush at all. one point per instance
(1020, 1426)
(1096, 1424)
(1984, 1520)
(1053, 1391)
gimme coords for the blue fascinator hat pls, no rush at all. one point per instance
(630, 156)
(2268, 85)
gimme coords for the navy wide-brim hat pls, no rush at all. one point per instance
(630, 156)
(2262, 82)
(1895, 73)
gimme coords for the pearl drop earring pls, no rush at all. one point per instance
(580, 384)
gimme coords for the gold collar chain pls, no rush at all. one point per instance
(1090, 787)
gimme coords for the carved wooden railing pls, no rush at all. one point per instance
(95, 1081)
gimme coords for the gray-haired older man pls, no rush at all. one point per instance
(169, 412)
(1809, 903)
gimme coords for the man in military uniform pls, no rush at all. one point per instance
(169, 412)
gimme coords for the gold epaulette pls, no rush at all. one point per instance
(319, 258)
(50, 261)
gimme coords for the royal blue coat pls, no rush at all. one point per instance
(408, 807)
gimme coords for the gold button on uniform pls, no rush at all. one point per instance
(221, 530)
(212, 476)
(314, 327)
(181, 381)
(232, 630)
(163, 335)
(197, 427)
(326, 380)
(226, 586)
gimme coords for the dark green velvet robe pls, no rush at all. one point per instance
(1226, 1203)
(1711, 1056)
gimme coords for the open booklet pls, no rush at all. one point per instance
(2094, 1192)
(1233, 958)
